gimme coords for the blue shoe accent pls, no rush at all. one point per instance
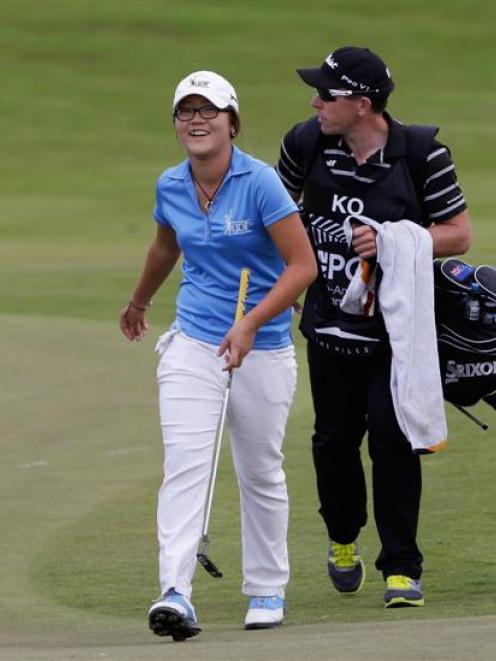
(264, 612)
(172, 614)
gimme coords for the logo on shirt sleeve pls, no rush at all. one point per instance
(235, 227)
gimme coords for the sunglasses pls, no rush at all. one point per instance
(331, 95)
(186, 113)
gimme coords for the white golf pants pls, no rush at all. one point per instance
(191, 390)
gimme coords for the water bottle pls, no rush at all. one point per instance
(472, 302)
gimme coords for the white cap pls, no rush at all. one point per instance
(210, 85)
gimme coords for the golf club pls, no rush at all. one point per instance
(472, 417)
(202, 556)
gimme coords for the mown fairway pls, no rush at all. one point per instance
(86, 129)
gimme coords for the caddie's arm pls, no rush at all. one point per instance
(452, 236)
(161, 258)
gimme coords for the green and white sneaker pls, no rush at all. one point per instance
(345, 567)
(402, 591)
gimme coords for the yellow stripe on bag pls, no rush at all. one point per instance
(244, 279)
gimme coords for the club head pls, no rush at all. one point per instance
(208, 565)
(486, 277)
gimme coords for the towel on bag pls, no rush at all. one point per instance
(406, 299)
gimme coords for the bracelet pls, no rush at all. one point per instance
(138, 307)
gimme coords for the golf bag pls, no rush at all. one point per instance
(465, 306)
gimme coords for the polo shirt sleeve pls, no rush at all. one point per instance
(158, 211)
(443, 197)
(273, 200)
(289, 164)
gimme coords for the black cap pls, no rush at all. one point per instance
(352, 68)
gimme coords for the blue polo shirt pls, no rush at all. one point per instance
(218, 244)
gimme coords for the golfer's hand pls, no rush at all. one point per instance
(364, 241)
(237, 343)
(133, 323)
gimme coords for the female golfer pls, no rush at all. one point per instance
(224, 211)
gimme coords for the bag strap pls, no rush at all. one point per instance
(418, 145)
(307, 138)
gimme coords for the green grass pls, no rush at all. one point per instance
(86, 129)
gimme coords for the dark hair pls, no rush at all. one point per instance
(378, 102)
(236, 123)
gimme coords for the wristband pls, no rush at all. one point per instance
(139, 307)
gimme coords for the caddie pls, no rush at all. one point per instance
(353, 159)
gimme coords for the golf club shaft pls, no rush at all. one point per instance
(240, 309)
(215, 460)
(469, 415)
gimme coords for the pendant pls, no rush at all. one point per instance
(208, 204)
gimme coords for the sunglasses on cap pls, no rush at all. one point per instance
(331, 95)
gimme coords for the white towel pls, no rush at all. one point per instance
(406, 298)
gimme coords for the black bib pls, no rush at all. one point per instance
(329, 199)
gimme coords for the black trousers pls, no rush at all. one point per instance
(349, 399)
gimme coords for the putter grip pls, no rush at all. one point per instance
(244, 279)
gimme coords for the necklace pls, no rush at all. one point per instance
(210, 198)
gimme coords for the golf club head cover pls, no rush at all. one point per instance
(485, 276)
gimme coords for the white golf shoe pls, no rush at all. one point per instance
(173, 614)
(264, 612)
